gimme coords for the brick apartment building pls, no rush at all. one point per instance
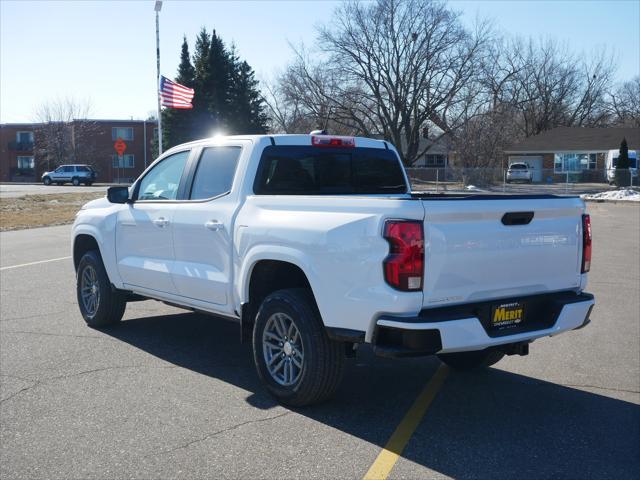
(22, 159)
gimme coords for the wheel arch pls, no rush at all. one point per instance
(263, 277)
(87, 235)
(83, 243)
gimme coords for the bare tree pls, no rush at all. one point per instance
(555, 87)
(625, 103)
(394, 68)
(65, 134)
(286, 114)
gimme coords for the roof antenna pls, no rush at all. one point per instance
(323, 131)
(326, 121)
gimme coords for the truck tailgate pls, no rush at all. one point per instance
(483, 249)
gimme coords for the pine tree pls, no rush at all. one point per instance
(623, 158)
(219, 84)
(227, 97)
(200, 115)
(247, 105)
(177, 123)
(623, 174)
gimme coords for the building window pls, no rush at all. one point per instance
(26, 163)
(436, 160)
(575, 162)
(125, 133)
(24, 137)
(125, 161)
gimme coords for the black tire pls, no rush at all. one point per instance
(110, 303)
(468, 361)
(46, 181)
(75, 181)
(323, 362)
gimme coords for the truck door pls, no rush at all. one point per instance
(202, 233)
(144, 241)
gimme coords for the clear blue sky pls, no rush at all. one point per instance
(105, 51)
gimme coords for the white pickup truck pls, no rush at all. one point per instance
(315, 244)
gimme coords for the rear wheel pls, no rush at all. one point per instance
(468, 361)
(75, 181)
(100, 305)
(294, 357)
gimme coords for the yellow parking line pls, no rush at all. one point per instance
(392, 450)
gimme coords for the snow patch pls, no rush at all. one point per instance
(625, 194)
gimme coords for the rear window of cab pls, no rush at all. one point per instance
(307, 170)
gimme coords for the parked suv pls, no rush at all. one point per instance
(519, 172)
(75, 174)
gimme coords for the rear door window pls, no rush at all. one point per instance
(215, 172)
(299, 170)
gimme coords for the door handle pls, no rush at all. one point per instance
(214, 225)
(160, 222)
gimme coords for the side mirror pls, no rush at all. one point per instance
(118, 194)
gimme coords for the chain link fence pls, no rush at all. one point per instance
(452, 179)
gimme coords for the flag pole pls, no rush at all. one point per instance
(157, 8)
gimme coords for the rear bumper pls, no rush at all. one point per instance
(463, 328)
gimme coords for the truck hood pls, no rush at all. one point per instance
(97, 203)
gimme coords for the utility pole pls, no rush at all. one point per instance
(157, 9)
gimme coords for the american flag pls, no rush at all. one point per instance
(174, 95)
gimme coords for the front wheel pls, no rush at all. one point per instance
(46, 181)
(295, 359)
(100, 305)
(76, 182)
(468, 361)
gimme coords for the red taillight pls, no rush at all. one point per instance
(404, 267)
(586, 243)
(326, 141)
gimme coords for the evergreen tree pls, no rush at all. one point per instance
(219, 85)
(200, 114)
(227, 97)
(623, 158)
(247, 104)
(178, 123)
(623, 174)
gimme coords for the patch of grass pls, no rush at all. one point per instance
(32, 211)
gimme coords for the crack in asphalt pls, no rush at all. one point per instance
(77, 374)
(24, 389)
(216, 433)
(612, 389)
(27, 332)
(38, 315)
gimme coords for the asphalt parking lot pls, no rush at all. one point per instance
(169, 394)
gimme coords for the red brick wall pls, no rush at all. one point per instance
(102, 150)
(548, 160)
(8, 152)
